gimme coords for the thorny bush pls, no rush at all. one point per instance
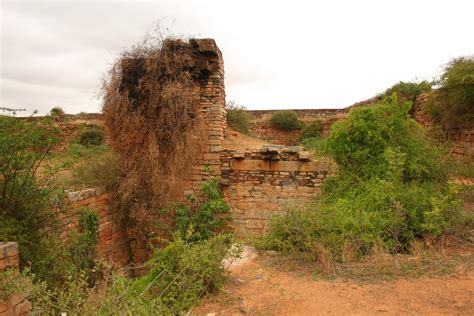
(152, 116)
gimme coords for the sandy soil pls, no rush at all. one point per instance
(259, 288)
(236, 140)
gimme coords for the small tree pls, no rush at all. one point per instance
(24, 198)
(57, 111)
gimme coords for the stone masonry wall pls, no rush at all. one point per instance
(260, 184)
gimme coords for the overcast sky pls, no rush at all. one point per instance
(277, 54)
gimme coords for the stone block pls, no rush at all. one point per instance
(303, 155)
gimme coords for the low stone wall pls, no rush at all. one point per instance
(260, 184)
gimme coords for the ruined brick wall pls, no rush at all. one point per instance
(261, 128)
(212, 109)
(15, 304)
(260, 184)
(112, 243)
(461, 138)
(9, 256)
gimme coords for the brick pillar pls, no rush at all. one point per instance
(212, 106)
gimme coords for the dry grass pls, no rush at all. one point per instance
(152, 116)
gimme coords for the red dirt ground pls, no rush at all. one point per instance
(259, 288)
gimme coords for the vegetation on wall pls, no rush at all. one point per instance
(312, 131)
(151, 114)
(286, 121)
(408, 91)
(391, 190)
(187, 268)
(202, 218)
(452, 104)
(238, 117)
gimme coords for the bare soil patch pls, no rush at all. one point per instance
(265, 285)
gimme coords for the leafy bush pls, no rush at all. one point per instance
(201, 220)
(391, 189)
(453, 102)
(91, 136)
(238, 117)
(57, 111)
(285, 121)
(25, 198)
(408, 91)
(313, 130)
(359, 143)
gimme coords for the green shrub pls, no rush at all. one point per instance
(408, 91)
(25, 198)
(391, 189)
(285, 121)
(359, 143)
(313, 130)
(180, 274)
(453, 103)
(91, 136)
(201, 219)
(238, 117)
(57, 111)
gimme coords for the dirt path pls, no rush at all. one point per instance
(259, 288)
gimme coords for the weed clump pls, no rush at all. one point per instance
(238, 117)
(286, 121)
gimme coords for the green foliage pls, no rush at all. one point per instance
(200, 220)
(25, 198)
(408, 91)
(57, 111)
(453, 102)
(180, 274)
(91, 136)
(58, 261)
(359, 143)
(238, 117)
(312, 131)
(285, 121)
(391, 189)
